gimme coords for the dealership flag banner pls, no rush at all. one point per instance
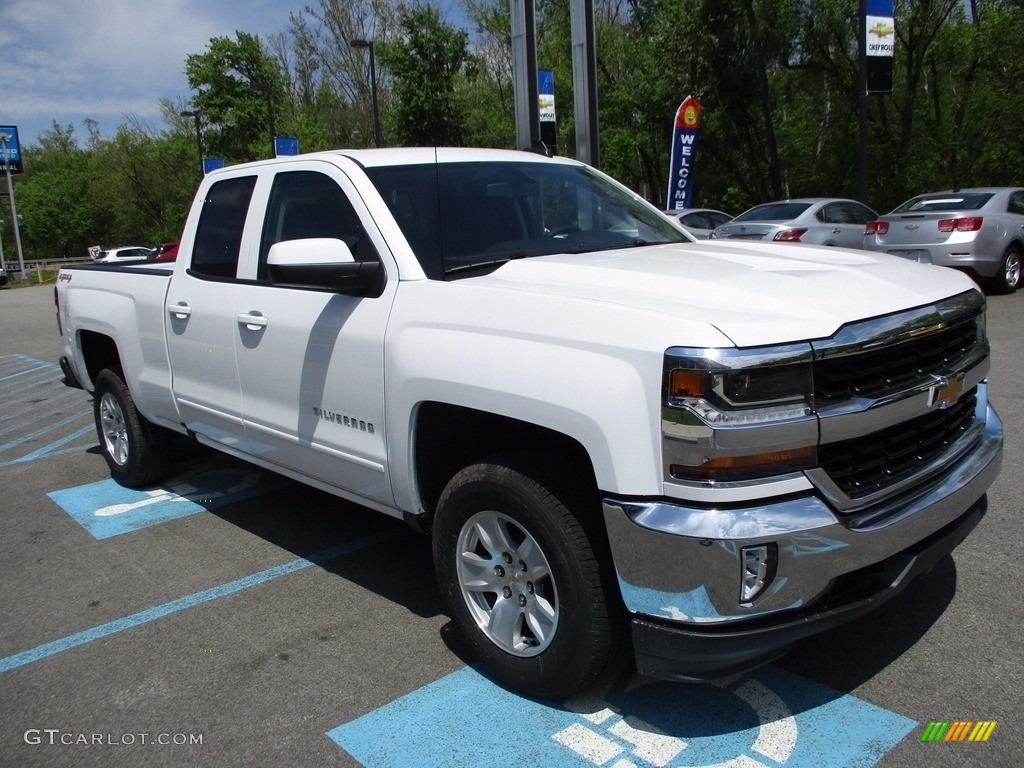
(879, 42)
(685, 133)
(10, 150)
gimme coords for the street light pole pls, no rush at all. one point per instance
(199, 139)
(4, 138)
(373, 88)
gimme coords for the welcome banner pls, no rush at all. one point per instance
(685, 134)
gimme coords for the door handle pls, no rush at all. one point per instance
(180, 310)
(253, 320)
(837, 231)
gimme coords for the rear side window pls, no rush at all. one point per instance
(1016, 202)
(697, 220)
(219, 234)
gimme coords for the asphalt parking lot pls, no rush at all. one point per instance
(234, 618)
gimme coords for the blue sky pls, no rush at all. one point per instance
(67, 60)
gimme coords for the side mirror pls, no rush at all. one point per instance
(321, 263)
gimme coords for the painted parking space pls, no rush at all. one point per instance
(39, 416)
(106, 509)
(84, 637)
(764, 719)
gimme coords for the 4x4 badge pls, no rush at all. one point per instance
(946, 392)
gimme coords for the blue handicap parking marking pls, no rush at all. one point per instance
(764, 719)
(39, 416)
(107, 509)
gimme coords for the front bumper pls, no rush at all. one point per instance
(680, 570)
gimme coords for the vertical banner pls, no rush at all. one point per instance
(546, 108)
(879, 42)
(685, 133)
(10, 150)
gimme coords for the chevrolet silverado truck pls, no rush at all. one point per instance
(624, 444)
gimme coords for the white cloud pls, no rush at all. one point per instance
(66, 60)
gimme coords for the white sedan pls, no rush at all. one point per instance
(128, 253)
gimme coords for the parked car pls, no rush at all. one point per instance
(164, 252)
(813, 220)
(700, 222)
(980, 231)
(128, 253)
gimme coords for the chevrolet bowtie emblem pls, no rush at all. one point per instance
(946, 391)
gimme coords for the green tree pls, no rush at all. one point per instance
(330, 78)
(239, 89)
(63, 207)
(427, 63)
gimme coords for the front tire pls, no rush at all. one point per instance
(529, 586)
(135, 450)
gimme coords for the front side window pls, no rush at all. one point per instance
(308, 204)
(219, 234)
(464, 218)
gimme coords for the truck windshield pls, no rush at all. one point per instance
(462, 219)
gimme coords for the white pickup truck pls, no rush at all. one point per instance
(622, 442)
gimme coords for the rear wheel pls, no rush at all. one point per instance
(136, 451)
(528, 585)
(1007, 279)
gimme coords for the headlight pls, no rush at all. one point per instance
(735, 415)
(736, 396)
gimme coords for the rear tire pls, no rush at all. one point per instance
(531, 589)
(1007, 279)
(136, 451)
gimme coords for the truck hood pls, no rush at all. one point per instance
(754, 293)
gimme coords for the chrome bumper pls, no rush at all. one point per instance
(680, 565)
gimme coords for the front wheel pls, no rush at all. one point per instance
(135, 450)
(1007, 279)
(525, 581)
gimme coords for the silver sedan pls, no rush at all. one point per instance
(812, 220)
(980, 231)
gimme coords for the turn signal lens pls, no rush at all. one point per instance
(686, 383)
(725, 468)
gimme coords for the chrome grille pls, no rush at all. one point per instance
(871, 463)
(875, 373)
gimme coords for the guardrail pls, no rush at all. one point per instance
(42, 271)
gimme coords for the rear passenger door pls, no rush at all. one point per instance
(854, 217)
(200, 329)
(311, 362)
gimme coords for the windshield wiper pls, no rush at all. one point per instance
(484, 264)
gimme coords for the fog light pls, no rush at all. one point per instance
(758, 570)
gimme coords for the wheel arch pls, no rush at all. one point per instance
(446, 438)
(98, 351)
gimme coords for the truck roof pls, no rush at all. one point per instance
(369, 158)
